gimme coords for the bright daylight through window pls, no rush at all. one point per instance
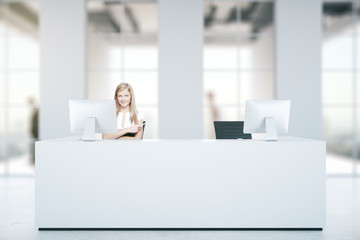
(19, 85)
(341, 86)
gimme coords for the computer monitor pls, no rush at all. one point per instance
(270, 117)
(90, 116)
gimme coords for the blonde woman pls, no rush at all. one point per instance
(129, 120)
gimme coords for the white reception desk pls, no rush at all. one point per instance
(180, 184)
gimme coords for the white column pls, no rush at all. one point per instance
(63, 44)
(180, 69)
(298, 64)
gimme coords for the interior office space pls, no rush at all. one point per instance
(190, 62)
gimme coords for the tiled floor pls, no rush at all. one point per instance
(17, 218)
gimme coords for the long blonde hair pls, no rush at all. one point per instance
(133, 111)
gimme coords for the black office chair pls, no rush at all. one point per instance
(230, 130)
(143, 130)
(133, 134)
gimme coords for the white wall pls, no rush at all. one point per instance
(298, 63)
(63, 44)
(180, 69)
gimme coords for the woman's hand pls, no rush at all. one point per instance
(134, 128)
(121, 132)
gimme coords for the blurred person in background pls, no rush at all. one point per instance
(34, 127)
(214, 113)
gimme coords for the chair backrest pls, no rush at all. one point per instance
(230, 130)
(143, 130)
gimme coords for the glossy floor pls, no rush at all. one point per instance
(17, 218)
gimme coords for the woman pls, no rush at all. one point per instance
(129, 120)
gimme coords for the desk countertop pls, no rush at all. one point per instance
(282, 139)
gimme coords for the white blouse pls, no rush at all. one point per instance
(127, 122)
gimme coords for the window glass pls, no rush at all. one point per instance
(358, 89)
(19, 123)
(357, 144)
(3, 149)
(255, 86)
(3, 155)
(145, 86)
(257, 53)
(337, 52)
(3, 52)
(19, 81)
(141, 55)
(23, 53)
(102, 85)
(228, 113)
(2, 123)
(338, 160)
(19, 155)
(337, 123)
(2, 87)
(221, 86)
(105, 52)
(220, 53)
(358, 124)
(337, 87)
(358, 50)
(23, 86)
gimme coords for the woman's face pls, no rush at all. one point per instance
(124, 98)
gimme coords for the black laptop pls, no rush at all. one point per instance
(230, 130)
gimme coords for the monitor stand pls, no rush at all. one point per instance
(89, 129)
(271, 133)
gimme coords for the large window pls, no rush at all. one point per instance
(19, 85)
(341, 86)
(238, 58)
(122, 47)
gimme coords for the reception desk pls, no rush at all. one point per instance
(180, 184)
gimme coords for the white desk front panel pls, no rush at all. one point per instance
(180, 184)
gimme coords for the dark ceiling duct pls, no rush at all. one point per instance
(210, 16)
(102, 22)
(259, 15)
(337, 8)
(25, 12)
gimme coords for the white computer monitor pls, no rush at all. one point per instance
(269, 116)
(92, 116)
